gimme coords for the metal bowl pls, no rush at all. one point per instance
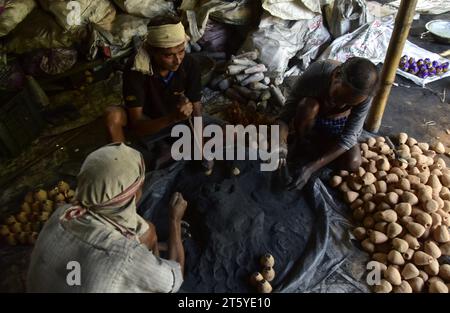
(440, 29)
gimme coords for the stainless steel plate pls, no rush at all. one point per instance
(440, 29)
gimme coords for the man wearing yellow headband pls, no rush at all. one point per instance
(161, 86)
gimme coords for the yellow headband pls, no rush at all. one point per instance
(166, 36)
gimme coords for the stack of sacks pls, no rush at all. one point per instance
(12, 12)
(73, 15)
(39, 30)
(146, 8)
(245, 82)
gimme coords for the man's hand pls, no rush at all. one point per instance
(282, 155)
(183, 110)
(302, 178)
(177, 207)
(282, 151)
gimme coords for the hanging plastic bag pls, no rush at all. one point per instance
(125, 27)
(12, 12)
(369, 41)
(72, 15)
(146, 8)
(279, 40)
(58, 61)
(38, 31)
(198, 17)
(347, 16)
(292, 9)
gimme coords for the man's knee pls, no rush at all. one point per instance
(115, 116)
(351, 160)
(354, 164)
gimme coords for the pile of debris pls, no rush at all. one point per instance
(246, 82)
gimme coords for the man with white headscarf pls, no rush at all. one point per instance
(161, 87)
(100, 243)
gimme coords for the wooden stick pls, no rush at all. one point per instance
(394, 53)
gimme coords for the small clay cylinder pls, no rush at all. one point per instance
(380, 227)
(424, 219)
(440, 234)
(409, 271)
(264, 287)
(383, 165)
(423, 146)
(438, 287)
(383, 287)
(267, 260)
(392, 198)
(421, 258)
(392, 275)
(380, 257)
(415, 229)
(403, 288)
(445, 248)
(255, 278)
(392, 178)
(432, 269)
(368, 222)
(393, 230)
(410, 198)
(412, 241)
(350, 196)
(431, 248)
(360, 233)
(268, 273)
(444, 272)
(402, 138)
(408, 254)
(411, 142)
(368, 246)
(377, 237)
(380, 186)
(395, 257)
(335, 181)
(430, 205)
(400, 245)
(389, 216)
(403, 209)
(417, 284)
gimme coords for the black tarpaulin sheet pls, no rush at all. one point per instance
(235, 220)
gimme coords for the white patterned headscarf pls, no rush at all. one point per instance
(108, 182)
(163, 36)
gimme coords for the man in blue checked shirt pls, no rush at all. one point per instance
(327, 107)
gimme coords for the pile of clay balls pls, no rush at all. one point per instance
(423, 68)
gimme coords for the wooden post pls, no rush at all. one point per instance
(400, 33)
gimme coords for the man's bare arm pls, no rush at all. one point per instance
(175, 246)
(144, 126)
(197, 108)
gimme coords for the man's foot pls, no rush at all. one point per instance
(208, 165)
(235, 171)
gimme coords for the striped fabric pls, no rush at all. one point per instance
(331, 126)
(118, 265)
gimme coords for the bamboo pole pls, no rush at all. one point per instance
(400, 33)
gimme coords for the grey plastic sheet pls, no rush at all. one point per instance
(234, 220)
